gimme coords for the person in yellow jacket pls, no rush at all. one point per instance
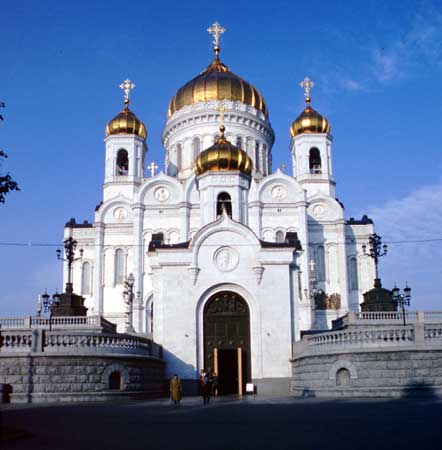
(176, 390)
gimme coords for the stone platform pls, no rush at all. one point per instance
(372, 355)
(79, 359)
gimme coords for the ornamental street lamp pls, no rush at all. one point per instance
(39, 306)
(49, 303)
(376, 250)
(313, 291)
(402, 298)
(70, 245)
(128, 295)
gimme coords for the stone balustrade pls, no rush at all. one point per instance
(16, 341)
(386, 317)
(56, 342)
(71, 335)
(364, 338)
(375, 330)
(74, 322)
(14, 322)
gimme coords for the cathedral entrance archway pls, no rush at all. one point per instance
(227, 341)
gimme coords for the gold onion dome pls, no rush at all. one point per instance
(126, 122)
(222, 157)
(217, 82)
(309, 121)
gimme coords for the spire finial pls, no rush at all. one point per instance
(216, 30)
(307, 84)
(127, 86)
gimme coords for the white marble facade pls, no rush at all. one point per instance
(172, 283)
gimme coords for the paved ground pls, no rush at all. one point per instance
(226, 424)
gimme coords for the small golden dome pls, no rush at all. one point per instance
(217, 82)
(309, 121)
(126, 122)
(223, 156)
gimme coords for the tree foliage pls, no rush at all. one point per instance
(7, 184)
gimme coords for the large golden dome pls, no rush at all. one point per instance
(126, 122)
(217, 82)
(309, 121)
(223, 156)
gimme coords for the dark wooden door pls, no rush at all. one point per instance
(227, 327)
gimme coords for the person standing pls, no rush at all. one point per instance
(215, 384)
(176, 390)
(205, 386)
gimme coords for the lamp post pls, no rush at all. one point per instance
(39, 306)
(402, 298)
(49, 303)
(375, 250)
(313, 291)
(70, 245)
(128, 295)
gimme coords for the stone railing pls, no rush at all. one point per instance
(364, 337)
(388, 317)
(71, 322)
(371, 337)
(16, 341)
(78, 342)
(14, 322)
(56, 342)
(433, 333)
(83, 335)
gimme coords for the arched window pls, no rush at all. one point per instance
(239, 141)
(224, 202)
(149, 317)
(86, 285)
(115, 381)
(353, 273)
(343, 377)
(196, 144)
(320, 263)
(266, 160)
(257, 161)
(315, 160)
(119, 266)
(179, 156)
(279, 236)
(122, 162)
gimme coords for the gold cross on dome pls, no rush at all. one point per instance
(152, 167)
(216, 30)
(307, 84)
(127, 86)
(222, 110)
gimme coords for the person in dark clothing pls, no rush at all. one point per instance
(206, 386)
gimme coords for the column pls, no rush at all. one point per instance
(184, 209)
(98, 268)
(308, 317)
(342, 264)
(137, 269)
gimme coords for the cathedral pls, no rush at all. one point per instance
(230, 262)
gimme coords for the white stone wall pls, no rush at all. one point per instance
(183, 280)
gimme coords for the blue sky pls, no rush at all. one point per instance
(377, 67)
